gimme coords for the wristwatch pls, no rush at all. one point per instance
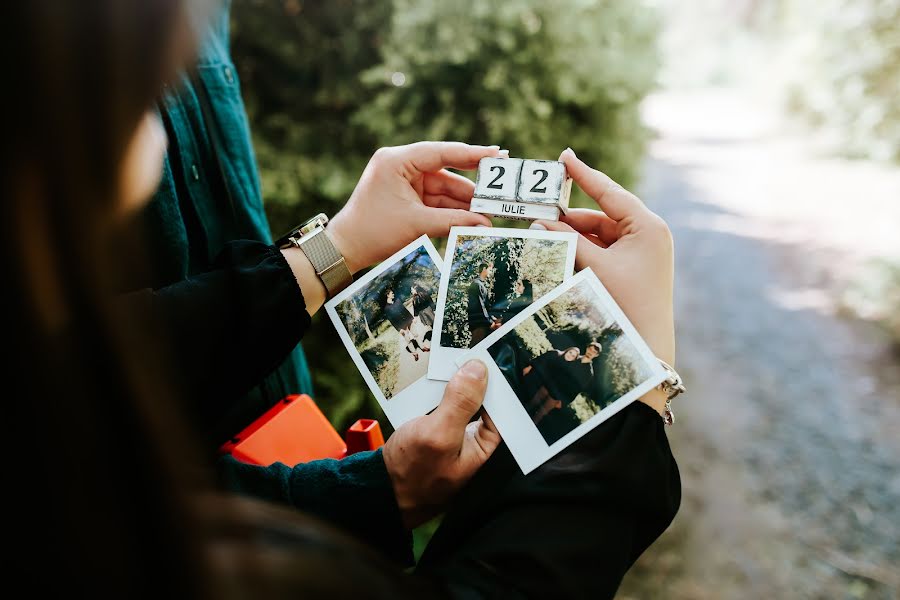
(329, 264)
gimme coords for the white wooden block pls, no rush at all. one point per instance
(498, 178)
(513, 209)
(545, 182)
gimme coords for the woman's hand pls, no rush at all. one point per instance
(404, 192)
(630, 250)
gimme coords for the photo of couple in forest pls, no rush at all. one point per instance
(484, 314)
(568, 361)
(390, 321)
(493, 278)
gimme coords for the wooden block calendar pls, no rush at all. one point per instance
(516, 188)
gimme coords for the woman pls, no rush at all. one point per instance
(544, 379)
(111, 499)
(521, 298)
(400, 319)
(423, 307)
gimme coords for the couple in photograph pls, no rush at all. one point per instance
(484, 315)
(402, 319)
(554, 379)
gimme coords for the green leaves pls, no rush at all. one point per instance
(327, 83)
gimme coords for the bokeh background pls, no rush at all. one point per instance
(767, 133)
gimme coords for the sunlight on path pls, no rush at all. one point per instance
(742, 159)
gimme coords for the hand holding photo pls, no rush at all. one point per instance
(493, 274)
(385, 320)
(561, 367)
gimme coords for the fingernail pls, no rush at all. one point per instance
(474, 369)
(503, 152)
(572, 152)
(537, 226)
(495, 147)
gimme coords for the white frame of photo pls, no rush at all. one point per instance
(442, 364)
(423, 395)
(521, 435)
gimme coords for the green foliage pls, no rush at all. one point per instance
(319, 82)
(532, 75)
(382, 355)
(533, 338)
(300, 65)
(849, 54)
(875, 296)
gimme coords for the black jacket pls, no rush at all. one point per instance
(570, 529)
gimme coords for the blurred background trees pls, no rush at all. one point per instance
(327, 83)
(774, 159)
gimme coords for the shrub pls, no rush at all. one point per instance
(327, 83)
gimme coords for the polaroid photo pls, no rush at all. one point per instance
(561, 367)
(490, 276)
(385, 320)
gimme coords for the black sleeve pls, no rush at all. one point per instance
(229, 327)
(570, 529)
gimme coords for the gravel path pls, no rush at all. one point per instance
(788, 440)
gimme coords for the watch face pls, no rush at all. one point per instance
(305, 228)
(317, 221)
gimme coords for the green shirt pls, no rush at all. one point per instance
(204, 202)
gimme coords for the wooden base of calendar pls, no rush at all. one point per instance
(515, 209)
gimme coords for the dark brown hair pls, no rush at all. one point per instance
(106, 495)
(98, 490)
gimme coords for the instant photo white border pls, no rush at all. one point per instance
(525, 442)
(421, 396)
(442, 365)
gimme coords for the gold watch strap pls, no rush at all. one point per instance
(327, 261)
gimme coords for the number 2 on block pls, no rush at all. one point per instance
(493, 184)
(535, 188)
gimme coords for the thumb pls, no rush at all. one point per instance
(587, 253)
(436, 222)
(462, 400)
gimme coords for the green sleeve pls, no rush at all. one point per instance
(354, 494)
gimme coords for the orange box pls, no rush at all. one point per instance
(295, 431)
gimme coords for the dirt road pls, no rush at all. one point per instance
(789, 440)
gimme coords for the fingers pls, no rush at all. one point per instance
(436, 222)
(462, 400)
(593, 222)
(443, 201)
(488, 424)
(445, 183)
(587, 251)
(427, 157)
(616, 201)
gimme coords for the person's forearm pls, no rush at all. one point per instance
(607, 497)
(354, 494)
(655, 399)
(228, 327)
(312, 287)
